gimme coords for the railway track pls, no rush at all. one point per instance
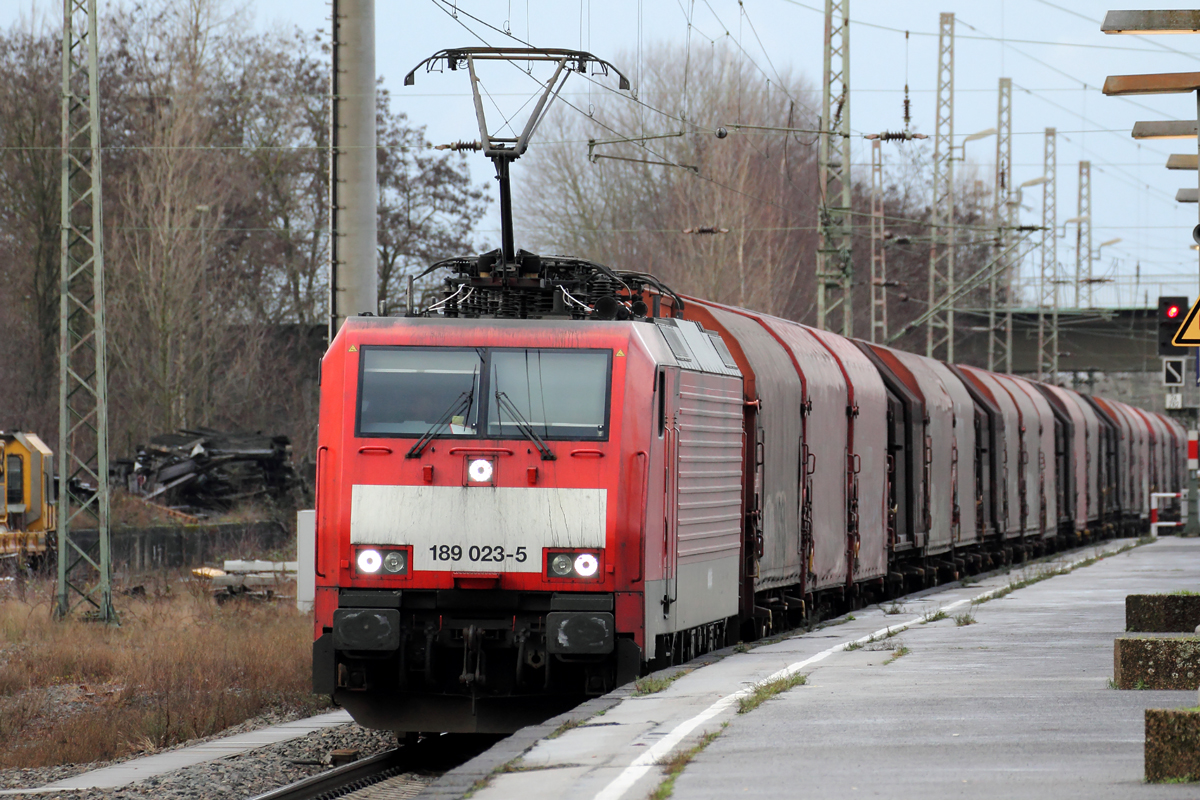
(394, 775)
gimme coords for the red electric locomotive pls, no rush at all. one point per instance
(492, 498)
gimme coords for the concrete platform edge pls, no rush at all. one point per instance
(462, 779)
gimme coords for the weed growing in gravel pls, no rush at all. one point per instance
(965, 618)
(765, 691)
(1141, 684)
(933, 616)
(179, 667)
(899, 652)
(652, 684)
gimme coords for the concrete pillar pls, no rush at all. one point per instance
(353, 191)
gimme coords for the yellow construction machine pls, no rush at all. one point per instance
(27, 515)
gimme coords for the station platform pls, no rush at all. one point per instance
(1015, 704)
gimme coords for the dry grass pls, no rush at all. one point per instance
(179, 667)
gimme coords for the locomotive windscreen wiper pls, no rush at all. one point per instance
(463, 402)
(504, 404)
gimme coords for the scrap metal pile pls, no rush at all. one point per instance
(207, 470)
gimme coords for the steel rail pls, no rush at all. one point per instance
(342, 780)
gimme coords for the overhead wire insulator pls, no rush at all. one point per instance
(895, 136)
(457, 146)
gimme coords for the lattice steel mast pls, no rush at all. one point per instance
(1083, 237)
(939, 330)
(84, 575)
(835, 271)
(879, 323)
(999, 355)
(1048, 283)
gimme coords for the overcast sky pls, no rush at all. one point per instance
(1052, 49)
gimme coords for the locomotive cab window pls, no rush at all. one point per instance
(469, 393)
(16, 480)
(406, 391)
(560, 394)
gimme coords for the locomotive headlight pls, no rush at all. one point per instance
(394, 562)
(369, 561)
(573, 565)
(586, 565)
(480, 470)
(560, 565)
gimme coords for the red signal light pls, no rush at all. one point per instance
(1172, 312)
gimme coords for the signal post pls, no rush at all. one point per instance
(1179, 333)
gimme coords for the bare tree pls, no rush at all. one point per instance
(756, 189)
(30, 175)
(427, 205)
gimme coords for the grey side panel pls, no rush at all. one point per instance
(966, 531)
(1141, 482)
(709, 429)
(1030, 447)
(870, 447)
(706, 592)
(1079, 453)
(779, 389)
(940, 411)
(1010, 458)
(826, 442)
(1179, 457)
(1092, 444)
(1157, 465)
(1046, 462)
(1126, 457)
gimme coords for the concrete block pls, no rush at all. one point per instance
(1162, 613)
(1143, 663)
(1172, 744)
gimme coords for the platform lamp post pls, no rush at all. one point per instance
(1152, 22)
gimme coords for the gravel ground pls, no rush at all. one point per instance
(245, 775)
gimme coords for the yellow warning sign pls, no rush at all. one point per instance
(353, 348)
(620, 354)
(1188, 334)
